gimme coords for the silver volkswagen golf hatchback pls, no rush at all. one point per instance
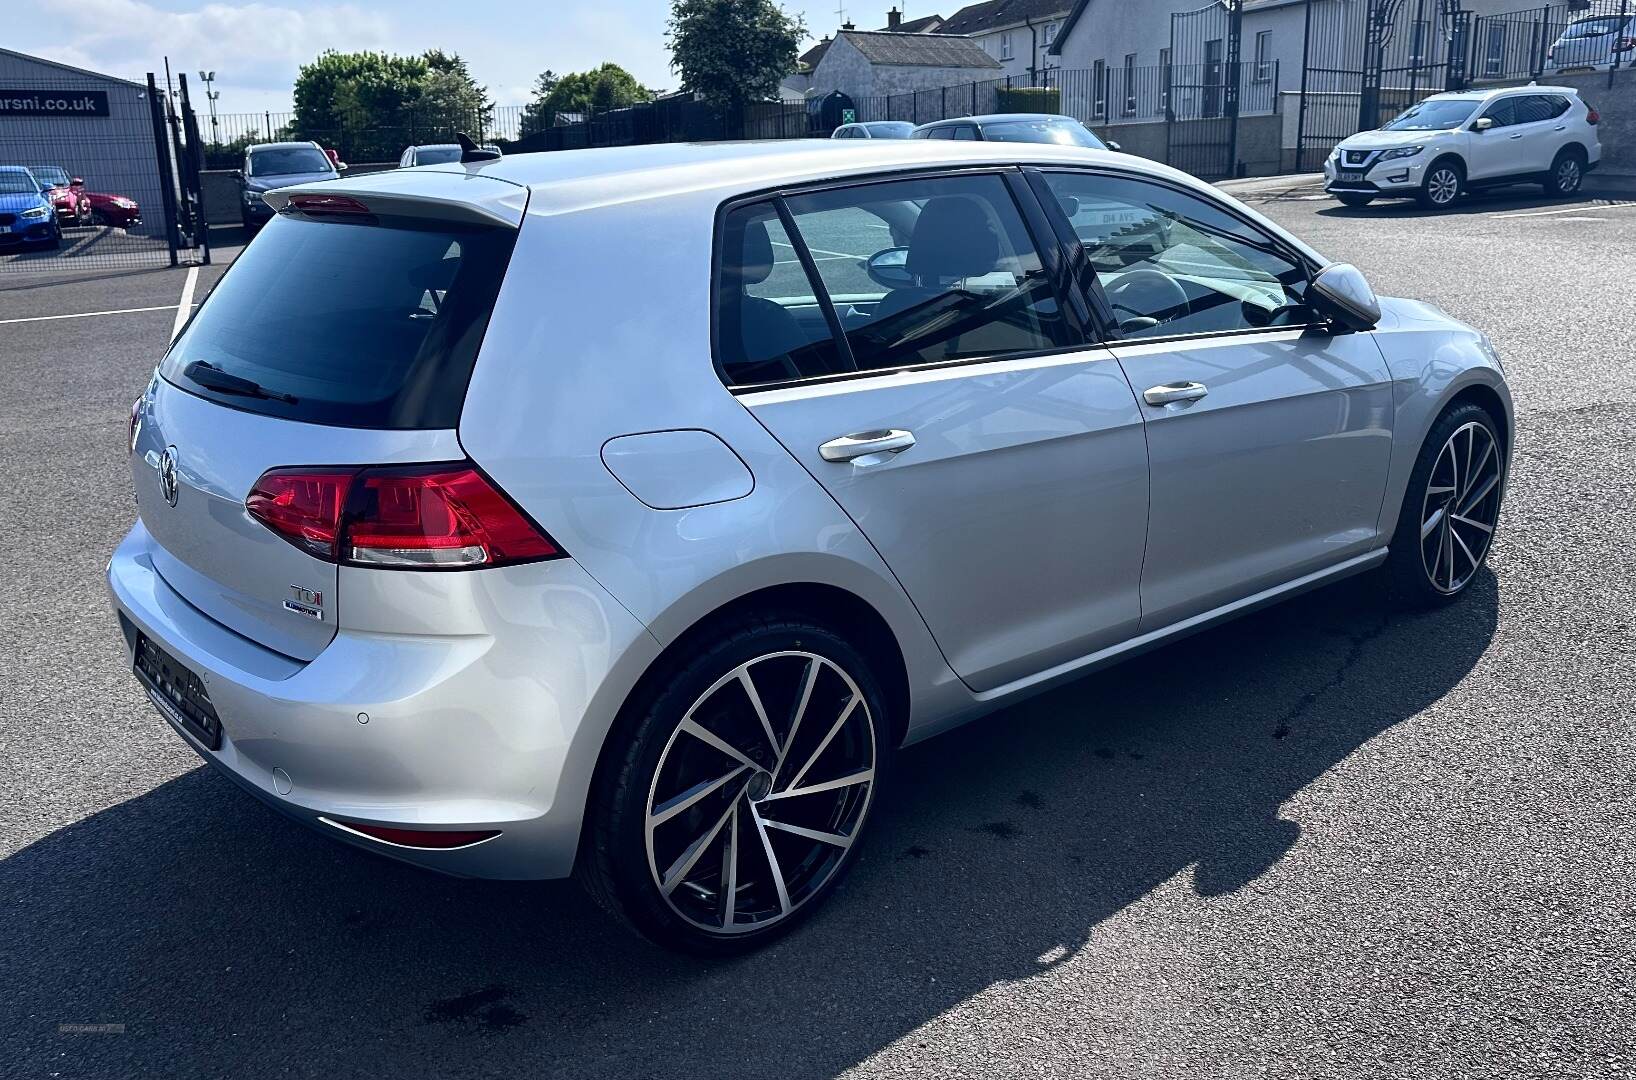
(621, 512)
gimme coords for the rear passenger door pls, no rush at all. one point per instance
(949, 403)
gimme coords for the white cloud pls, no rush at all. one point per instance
(256, 47)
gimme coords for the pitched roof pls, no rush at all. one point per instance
(990, 14)
(811, 57)
(918, 50)
(925, 25)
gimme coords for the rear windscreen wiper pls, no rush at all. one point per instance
(211, 377)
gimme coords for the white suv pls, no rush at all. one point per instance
(1457, 142)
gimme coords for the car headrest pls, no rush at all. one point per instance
(952, 239)
(755, 261)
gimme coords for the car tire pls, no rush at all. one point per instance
(1567, 173)
(1435, 551)
(1442, 184)
(99, 219)
(1355, 200)
(670, 881)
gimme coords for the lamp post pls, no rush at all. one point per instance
(211, 94)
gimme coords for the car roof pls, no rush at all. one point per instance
(1501, 91)
(16, 168)
(279, 145)
(436, 146)
(997, 118)
(569, 181)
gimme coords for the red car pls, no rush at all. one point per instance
(76, 206)
(66, 193)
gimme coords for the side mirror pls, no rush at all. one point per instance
(1115, 147)
(1482, 124)
(1342, 294)
(890, 268)
(1069, 204)
(76, 182)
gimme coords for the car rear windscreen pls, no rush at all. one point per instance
(374, 323)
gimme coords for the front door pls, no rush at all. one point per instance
(995, 460)
(1268, 439)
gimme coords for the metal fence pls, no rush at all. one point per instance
(116, 166)
(1540, 41)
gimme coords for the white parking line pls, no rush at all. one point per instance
(819, 252)
(1565, 210)
(89, 314)
(184, 306)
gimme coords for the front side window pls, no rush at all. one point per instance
(912, 271)
(965, 133)
(1502, 112)
(1172, 263)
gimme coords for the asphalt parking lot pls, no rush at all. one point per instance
(1322, 841)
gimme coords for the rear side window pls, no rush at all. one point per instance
(372, 325)
(912, 272)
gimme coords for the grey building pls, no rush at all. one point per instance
(866, 63)
(1017, 33)
(95, 126)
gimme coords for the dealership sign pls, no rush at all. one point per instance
(53, 102)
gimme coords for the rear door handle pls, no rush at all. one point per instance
(1518, 135)
(1171, 392)
(863, 443)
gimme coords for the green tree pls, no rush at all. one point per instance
(369, 105)
(732, 52)
(604, 87)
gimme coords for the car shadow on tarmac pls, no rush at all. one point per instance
(229, 941)
(1496, 201)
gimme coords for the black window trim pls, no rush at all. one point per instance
(1082, 334)
(1082, 270)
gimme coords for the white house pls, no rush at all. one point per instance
(797, 86)
(1016, 33)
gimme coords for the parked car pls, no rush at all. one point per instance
(510, 581)
(1014, 127)
(1465, 141)
(117, 211)
(27, 215)
(434, 154)
(67, 193)
(274, 165)
(1596, 40)
(874, 129)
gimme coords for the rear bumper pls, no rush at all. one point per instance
(477, 731)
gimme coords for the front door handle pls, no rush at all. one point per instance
(1518, 135)
(863, 443)
(1171, 392)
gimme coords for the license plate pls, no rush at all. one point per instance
(1352, 177)
(5, 228)
(177, 692)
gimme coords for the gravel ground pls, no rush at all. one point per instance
(1319, 842)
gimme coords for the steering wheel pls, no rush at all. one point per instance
(1148, 297)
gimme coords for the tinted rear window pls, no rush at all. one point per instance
(365, 325)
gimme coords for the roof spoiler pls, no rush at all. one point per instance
(470, 152)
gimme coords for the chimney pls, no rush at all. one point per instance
(848, 26)
(894, 19)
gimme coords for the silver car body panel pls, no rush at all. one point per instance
(490, 694)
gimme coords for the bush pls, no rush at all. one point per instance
(1029, 99)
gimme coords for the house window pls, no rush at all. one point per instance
(1263, 56)
(1417, 46)
(1494, 49)
(1050, 33)
(1164, 80)
(1099, 89)
(1130, 84)
(1005, 45)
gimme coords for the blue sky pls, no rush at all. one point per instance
(255, 47)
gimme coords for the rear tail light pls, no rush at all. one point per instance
(428, 517)
(1593, 117)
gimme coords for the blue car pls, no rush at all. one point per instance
(26, 215)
